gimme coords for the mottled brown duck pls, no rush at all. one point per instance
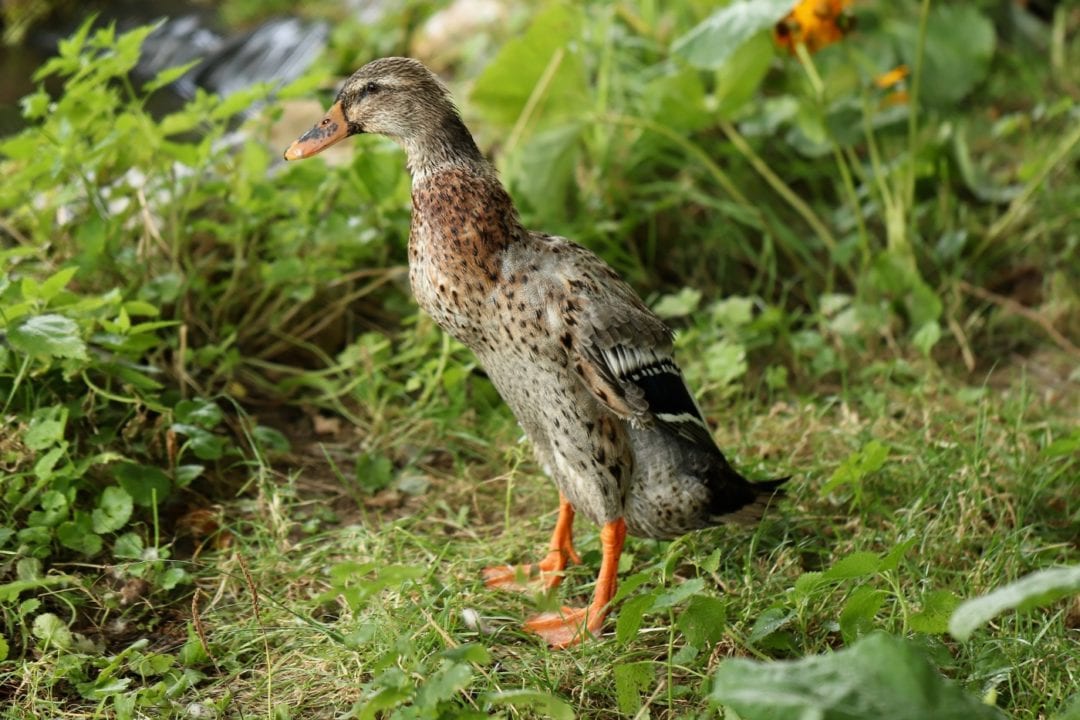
(585, 365)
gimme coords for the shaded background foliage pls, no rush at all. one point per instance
(181, 313)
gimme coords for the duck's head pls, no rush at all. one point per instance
(397, 97)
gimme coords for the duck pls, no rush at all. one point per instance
(586, 366)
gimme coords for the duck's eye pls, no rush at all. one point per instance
(369, 89)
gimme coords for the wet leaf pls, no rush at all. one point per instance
(53, 336)
(880, 676)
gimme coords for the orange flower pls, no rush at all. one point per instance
(815, 24)
(893, 77)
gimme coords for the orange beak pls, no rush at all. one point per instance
(332, 128)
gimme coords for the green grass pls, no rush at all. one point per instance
(242, 476)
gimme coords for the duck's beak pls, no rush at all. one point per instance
(329, 130)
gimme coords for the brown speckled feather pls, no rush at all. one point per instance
(581, 360)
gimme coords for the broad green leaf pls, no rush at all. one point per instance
(738, 79)
(56, 282)
(715, 39)
(880, 676)
(470, 653)
(548, 705)
(703, 621)
(270, 438)
(856, 565)
(174, 576)
(46, 427)
(541, 64)
(113, 510)
(1063, 446)
(128, 546)
(927, 337)
(1031, 591)
(450, 679)
(677, 100)
(678, 594)
(679, 304)
(52, 632)
(933, 619)
(204, 413)
(868, 459)
(857, 617)
(49, 336)
(768, 623)
(4, 649)
(951, 69)
(143, 483)
(631, 614)
(630, 680)
(205, 444)
(544, 169)
(77, 535)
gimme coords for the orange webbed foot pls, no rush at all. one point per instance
(569, 626)
(546, 574)
(530, 577)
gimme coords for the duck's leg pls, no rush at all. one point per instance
(547, 573)
(570, 625)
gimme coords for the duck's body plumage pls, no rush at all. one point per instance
(584, 364)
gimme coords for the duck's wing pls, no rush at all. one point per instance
(621, 350)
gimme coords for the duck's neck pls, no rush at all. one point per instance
(447, 144)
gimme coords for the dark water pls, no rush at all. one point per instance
(278, 50)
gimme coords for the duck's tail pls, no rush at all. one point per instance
(742, 502)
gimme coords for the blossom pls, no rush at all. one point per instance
(815, 24)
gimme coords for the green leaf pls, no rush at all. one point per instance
(52, 632)
(205, 444)
(630, 680)
(142, 482)
(544, 53)
(4, 649)
(880, 676)
(270, 439)
(630, 617)
(738, 79)
(128, 546)
(673, 597)
(113, 510)
(857, 617)
(204, 413)
(450, 679)
(927, 337)
(933, 619)
(56, 282)
(856, 565)
(174, 576)
(168, 76)
(77, 535)
(46, 428)
(1031, 591)
(678, 304)
(951, 69)
(49, 336)
(703, 621)
(544, 170)
(1063, 446)
(548, 705)
(682, 89)
(868, 459)
(715, 39)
